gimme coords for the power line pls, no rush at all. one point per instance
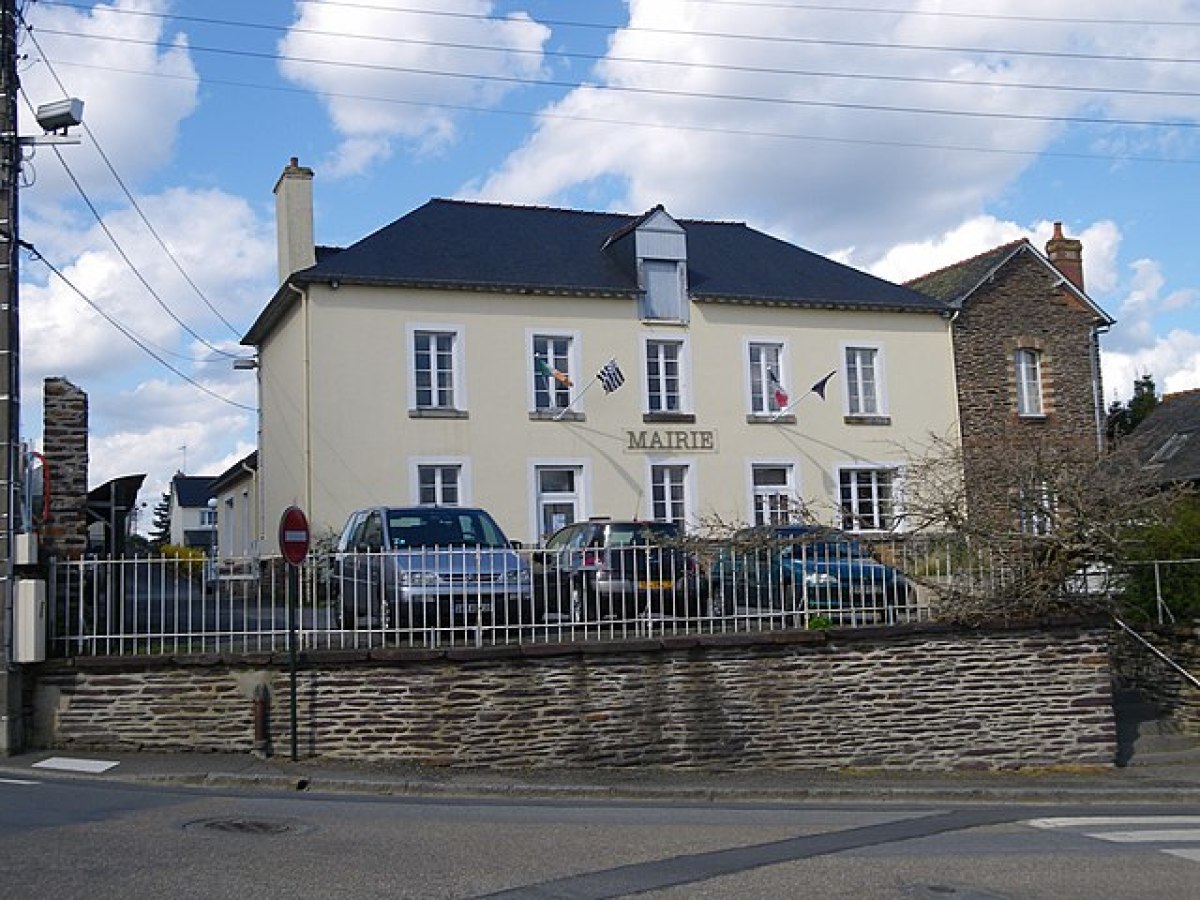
(661, 92)
(671, 126)
(673, 63)
(129, 195)
(129, 262)
(36, 255)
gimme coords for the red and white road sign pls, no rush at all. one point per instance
(293, 535)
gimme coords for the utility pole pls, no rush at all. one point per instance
(10, 379)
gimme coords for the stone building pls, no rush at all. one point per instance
(1027, 362)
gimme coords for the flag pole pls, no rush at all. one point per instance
(818, 388)
(562, 412)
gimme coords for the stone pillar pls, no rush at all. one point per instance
(65, 446)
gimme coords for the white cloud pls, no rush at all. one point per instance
(853, 175)
(362, 58)
(1172, 359)
(134, 400)
(131, 110)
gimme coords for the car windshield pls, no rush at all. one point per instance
(442, 528)
(827, 550)
(641, 534)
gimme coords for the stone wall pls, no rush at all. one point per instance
(1023, 307)
(1161, 684)
(917, 697)
(65, 446)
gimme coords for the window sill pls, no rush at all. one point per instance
(770, 419)
(556, 415)
(868, 420)
(681, 418)
(1031, 417)
(437, 413)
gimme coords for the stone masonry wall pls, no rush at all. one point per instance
(1023, 308)
(919, 697)
(65, 445)
(1161, 684)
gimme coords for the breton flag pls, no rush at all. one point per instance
(777, 389)
(544, 369)
(610, 376)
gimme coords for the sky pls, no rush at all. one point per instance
(897, 137)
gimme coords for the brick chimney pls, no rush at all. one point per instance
(294, 219)
(1067, 255)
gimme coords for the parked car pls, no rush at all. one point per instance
(803, 571)
(429, 567)
(605, 568)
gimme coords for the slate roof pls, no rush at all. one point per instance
(192, 490)
(490, 247)
(1168, 439)
(955, 283)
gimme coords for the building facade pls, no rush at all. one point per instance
(552, 365)
(1027, 364)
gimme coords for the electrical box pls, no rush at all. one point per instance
(29, 621)
(25, 549)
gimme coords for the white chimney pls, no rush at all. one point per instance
(294, 219)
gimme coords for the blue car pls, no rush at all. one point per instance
(801, 572)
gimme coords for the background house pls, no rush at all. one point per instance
(193, 521)
(453, 357)
(236, 493)
(1168, 439)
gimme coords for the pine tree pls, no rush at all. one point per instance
(162, 521)
(1124, 417)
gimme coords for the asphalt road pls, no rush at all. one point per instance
(68, 838)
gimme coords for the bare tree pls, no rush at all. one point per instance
(1028, 528)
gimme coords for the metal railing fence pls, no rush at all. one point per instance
(472, 596)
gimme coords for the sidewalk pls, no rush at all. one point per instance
(1165, 783)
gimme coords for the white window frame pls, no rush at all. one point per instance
(789, 492)
(1036, 509)
(760, 399)
(852, 393)
(582, 496)
(684, 366)
(417, 463)
(1027, 365)
(851, 521)
(688, 484)
(458, 379)
(573, 367)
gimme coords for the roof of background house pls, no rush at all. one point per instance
(240, 470)
(192, 490)
(455, 244)
(1168, 439)
(956, 282)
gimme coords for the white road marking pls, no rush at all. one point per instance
(1135, 830)
(17, 781)
(1132, 837)
(1091, 821)
(68, 764)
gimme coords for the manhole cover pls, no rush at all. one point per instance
(248, 825)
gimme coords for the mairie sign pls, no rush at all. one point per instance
(671, 439)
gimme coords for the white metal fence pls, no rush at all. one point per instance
(472, 596)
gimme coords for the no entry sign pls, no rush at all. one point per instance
(293, 535)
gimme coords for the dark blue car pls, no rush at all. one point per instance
(802, 572)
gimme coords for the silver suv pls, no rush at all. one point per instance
(429, 567)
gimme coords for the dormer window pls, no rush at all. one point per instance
(661, 247)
